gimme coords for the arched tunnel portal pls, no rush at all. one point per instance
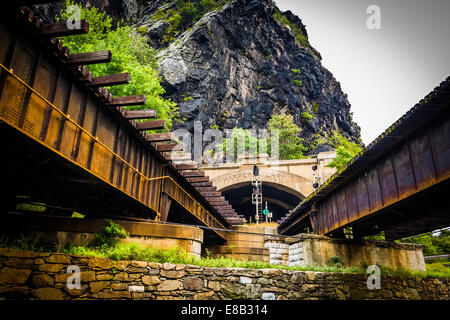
(280, 199)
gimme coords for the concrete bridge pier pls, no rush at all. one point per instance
(264, 244)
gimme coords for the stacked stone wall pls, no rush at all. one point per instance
(44, 276)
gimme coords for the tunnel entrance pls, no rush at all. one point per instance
(280, 199)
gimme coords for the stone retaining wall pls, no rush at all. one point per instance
(30, 275)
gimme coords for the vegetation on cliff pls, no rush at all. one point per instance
(345, 149)
(183, 14)
(290, 145)
(130, 53)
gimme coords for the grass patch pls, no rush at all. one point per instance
(134, 251)
(107, 245)
(434, 270)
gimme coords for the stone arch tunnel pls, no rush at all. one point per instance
(285, 183)
(280, 199)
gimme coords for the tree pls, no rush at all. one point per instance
(345, 150)
(130, 53)
(433, 245)
(290, 146)
(242, 140)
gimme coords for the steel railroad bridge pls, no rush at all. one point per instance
(399, 184)
(68, 143)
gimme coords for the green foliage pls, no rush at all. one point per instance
(295, 74)
(299, 36)
(434, 270)
(20, 241)
(241, 140)
(130, 53)
(143, 30)
(345, 150)
(290, 146)
(188, 12)
(184, 14)
(379, 236)
(307, 116)
(109, 236)
(315, 106)
(77, 215)
(37, 207)
(186, 97)
(433, 245)
(335, 262)
(297, 82)
(134, 251)
(225, 115)
(174, 25)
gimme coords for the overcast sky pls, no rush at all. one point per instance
(384, 72)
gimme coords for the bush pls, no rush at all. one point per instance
(335, 262)
(307, 116)
(433, 245)
(345, 150)
(134, 251)
(295, 74)
(110, 235)
(290, 145)
(315, 106)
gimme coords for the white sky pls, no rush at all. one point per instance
(384, 72)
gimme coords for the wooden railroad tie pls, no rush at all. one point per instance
(110, 80)
(206, 189)
(177, 156)
(128, 101)
(139, 114)
(182, 167)
(215, 198)
(199, 179)
(89, 58)
(61, 29)
(169, 147)
(150, 125)
(159, 137)
(202, 184)
(192, 174)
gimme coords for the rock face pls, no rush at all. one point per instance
(238, 65)
(118, 9)
(233, 68)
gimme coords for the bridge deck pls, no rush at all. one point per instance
(399, 183)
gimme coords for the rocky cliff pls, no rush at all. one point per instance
(238, 63)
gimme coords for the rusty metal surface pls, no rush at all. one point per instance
(413, 155)
(40, 99)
